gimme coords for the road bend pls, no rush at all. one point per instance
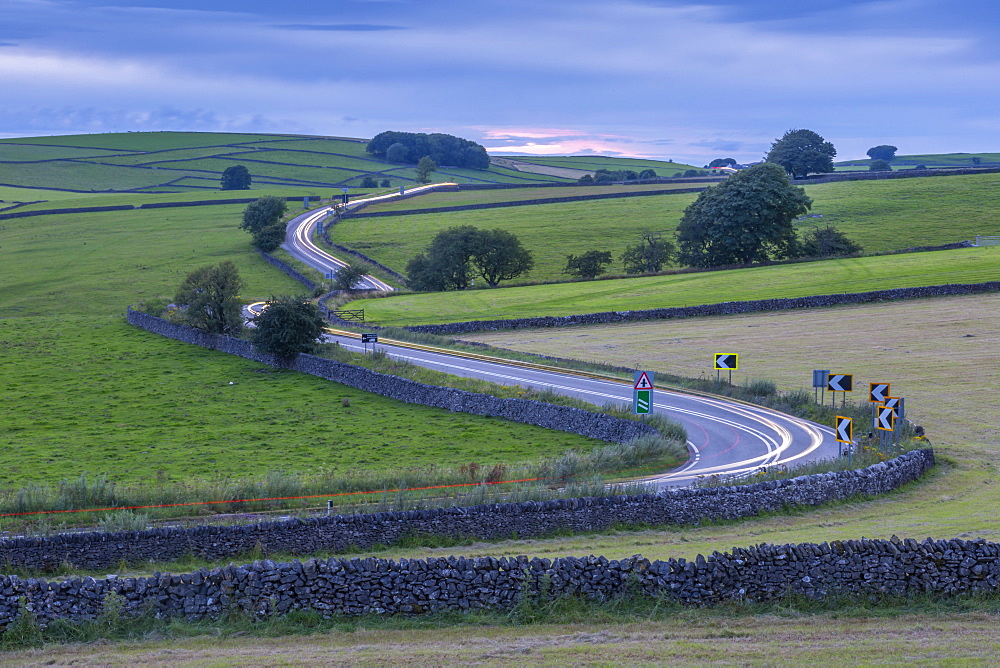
(725, 438)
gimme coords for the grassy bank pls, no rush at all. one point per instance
(863, 274)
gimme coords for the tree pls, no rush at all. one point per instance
(590, 264)
(647, 174)
(270, 237)
(397, 153)
(384, 183)
(746, 218)
(262, 219)
(802, 152)
(350, 275)
(722, 162)
(236, 177)
(209, 299)
(424, 169)
(369, 182)
(827, 241)
(880, 166)
(649, 255)
(458, 254)
(262, 213)
(499, 256)
(445, 264)
(287, 327)
(882, 152)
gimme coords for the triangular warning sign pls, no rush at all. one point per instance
(642, 382)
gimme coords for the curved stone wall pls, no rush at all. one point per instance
(337, 533)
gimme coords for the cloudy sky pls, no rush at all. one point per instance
(668, 79)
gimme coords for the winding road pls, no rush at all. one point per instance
(724, 437)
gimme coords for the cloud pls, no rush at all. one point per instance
(343, 27)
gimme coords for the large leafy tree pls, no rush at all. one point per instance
(209, 299)
(498, 255)
(591, 264)
(424, 169)
(287, 327)
(458, 254)
(649, 255)
(262, 219)
(746, 218)
(348, 276)
(827, 241)
(882, 152)
(802, 152)
(236, 177)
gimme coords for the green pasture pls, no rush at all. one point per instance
(73, 200)
(862, 274)
(881, 216)
(930, 160)
(149, 161)
(595, 162)
(464, 197)
(145, 141)
(90, 395)
(99, 263)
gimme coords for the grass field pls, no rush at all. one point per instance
(862, 274)
(781, 636)
(881, 216)
(929, 160)
(137, 161)
(90, 396)
(464, 197)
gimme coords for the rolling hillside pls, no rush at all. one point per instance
(194, 161)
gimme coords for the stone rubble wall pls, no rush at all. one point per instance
(854, 568)
(489, 522)
(725, 308)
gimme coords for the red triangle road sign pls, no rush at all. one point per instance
(643, 382)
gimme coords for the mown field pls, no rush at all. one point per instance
(186, 161)
(862, 274)
(881, 216)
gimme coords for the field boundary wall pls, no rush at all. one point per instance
(724, 308)
(378, 586)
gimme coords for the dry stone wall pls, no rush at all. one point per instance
(725, 308)
(377, 586)
(339, 533)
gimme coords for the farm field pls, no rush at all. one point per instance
(464, 197)
(930, 160)
(92, 396)
(881, 216)
(686, 638)
(184, 161)
(862, 274)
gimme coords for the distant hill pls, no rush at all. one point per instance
(154, 162)
(928, 160)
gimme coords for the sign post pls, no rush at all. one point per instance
(726, 362)
(367, 338)
(819, 384)
(839, 382)
(642, 392)
(346, 197)
(877, 392)
(844, 433)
